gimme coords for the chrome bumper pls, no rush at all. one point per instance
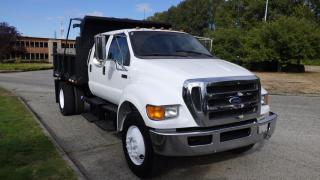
(178, 144)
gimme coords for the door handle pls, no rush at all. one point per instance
(124, 76)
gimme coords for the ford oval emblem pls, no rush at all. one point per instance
(235, 100)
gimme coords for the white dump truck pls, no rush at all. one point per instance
(166, 93)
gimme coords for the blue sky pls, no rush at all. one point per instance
(41, 18)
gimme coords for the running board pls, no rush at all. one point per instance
(104, 105)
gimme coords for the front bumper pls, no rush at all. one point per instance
(215, 140)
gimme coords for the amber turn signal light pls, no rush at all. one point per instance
(155, 112)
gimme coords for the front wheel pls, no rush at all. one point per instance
(137, 146)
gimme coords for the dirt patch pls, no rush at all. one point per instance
(292, 83)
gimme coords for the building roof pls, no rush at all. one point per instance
(42, 38)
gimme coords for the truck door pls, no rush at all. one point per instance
(97, 67)
(117, 66)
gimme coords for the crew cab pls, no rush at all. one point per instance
(166, 93)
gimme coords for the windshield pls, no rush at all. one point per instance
(157, 44)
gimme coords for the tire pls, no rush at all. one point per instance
(135, 131)
(66, 99)
(79, 104)
(242, 149)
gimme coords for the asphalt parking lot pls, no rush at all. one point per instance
(292, 153)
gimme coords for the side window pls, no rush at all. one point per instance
(119, 50)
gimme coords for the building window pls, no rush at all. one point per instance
(28, 56)
(32, 44)
(36, 44)
(32, 56)
(63, 45)
(45, 44)
(46, 56)
(27, 43)
(41, 56)
(22, 44)
(41, 44)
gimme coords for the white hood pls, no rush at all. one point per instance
(191, 68)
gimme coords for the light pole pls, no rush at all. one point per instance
(266, 11)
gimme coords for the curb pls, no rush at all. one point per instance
(18, 71)
(75, 166)
(298, 95)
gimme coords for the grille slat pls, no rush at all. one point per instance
(231, 107)
(232, 93)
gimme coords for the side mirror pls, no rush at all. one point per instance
(100, 47)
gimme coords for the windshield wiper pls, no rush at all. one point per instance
(194, 52)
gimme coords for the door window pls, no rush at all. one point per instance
(119, 50)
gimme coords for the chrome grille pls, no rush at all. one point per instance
(222, 101)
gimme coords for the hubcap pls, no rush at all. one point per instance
(61, 98)
(135, 145)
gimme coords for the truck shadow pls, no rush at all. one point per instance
(179, 167)
(196, 167)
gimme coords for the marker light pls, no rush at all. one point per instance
(264, 99)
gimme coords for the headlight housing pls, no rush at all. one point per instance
(159, 113)
(265, 99)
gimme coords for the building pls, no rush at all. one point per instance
(42, 49)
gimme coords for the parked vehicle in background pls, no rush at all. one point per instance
(165, 92)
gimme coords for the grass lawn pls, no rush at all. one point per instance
(292, 83)
(24, 66)
(25, 152)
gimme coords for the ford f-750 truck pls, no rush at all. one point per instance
(165, 92)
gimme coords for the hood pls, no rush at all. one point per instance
(192, 68)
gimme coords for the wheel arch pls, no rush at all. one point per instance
(124, 109)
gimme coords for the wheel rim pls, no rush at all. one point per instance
(61, 99)
(135, 145)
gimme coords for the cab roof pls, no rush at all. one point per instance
(140, 30)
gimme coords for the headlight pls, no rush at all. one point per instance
(162, 112)
(265, 99)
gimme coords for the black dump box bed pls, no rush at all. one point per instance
(74, 68)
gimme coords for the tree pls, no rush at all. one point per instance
(286, 40)
(190, 15)
(228, 43)
(8, 38)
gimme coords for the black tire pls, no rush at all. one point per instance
(67, 107)
(79, 104)
(242, 149)
(146, 169)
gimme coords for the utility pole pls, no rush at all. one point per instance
(211, 18)
(266, 11)
(61, 30)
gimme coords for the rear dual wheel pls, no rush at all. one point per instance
(70, 102)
